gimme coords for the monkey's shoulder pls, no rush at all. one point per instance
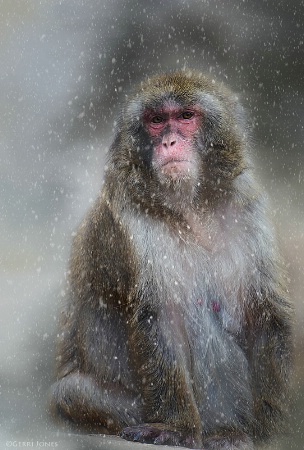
(100, 228)
(102, 255)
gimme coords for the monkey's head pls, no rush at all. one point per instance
(180, 141)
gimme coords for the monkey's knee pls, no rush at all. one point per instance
(69, 397)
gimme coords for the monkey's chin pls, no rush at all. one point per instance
(178, 180)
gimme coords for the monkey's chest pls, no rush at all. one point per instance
(182, 278)
(194, 286)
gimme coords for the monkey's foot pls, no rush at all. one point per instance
(152, 434)
(232, 442)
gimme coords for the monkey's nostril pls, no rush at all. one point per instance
(167, 142)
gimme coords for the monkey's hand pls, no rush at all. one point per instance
(158, 434)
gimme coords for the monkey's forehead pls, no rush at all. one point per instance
(182, 87)
(183, 82)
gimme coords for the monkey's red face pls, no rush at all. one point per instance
(172, 130)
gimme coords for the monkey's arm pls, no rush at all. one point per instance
(94, 387)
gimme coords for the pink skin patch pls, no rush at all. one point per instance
(172, 129)
(216, 306)
(186, 121)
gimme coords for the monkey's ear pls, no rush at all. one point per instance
(241, 130)
(211, 108)
(240, 115)
(133, 111)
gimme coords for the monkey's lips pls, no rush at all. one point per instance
(176, 167)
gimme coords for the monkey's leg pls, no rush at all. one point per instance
(78, 399)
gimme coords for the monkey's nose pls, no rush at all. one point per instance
(168, 141)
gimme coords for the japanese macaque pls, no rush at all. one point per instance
(177, 325)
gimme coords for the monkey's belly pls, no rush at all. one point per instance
(213, 363)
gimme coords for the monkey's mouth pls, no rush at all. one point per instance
(178, 163)
(176, 168)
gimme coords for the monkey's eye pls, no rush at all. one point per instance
(157, 119)
(187, 115)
